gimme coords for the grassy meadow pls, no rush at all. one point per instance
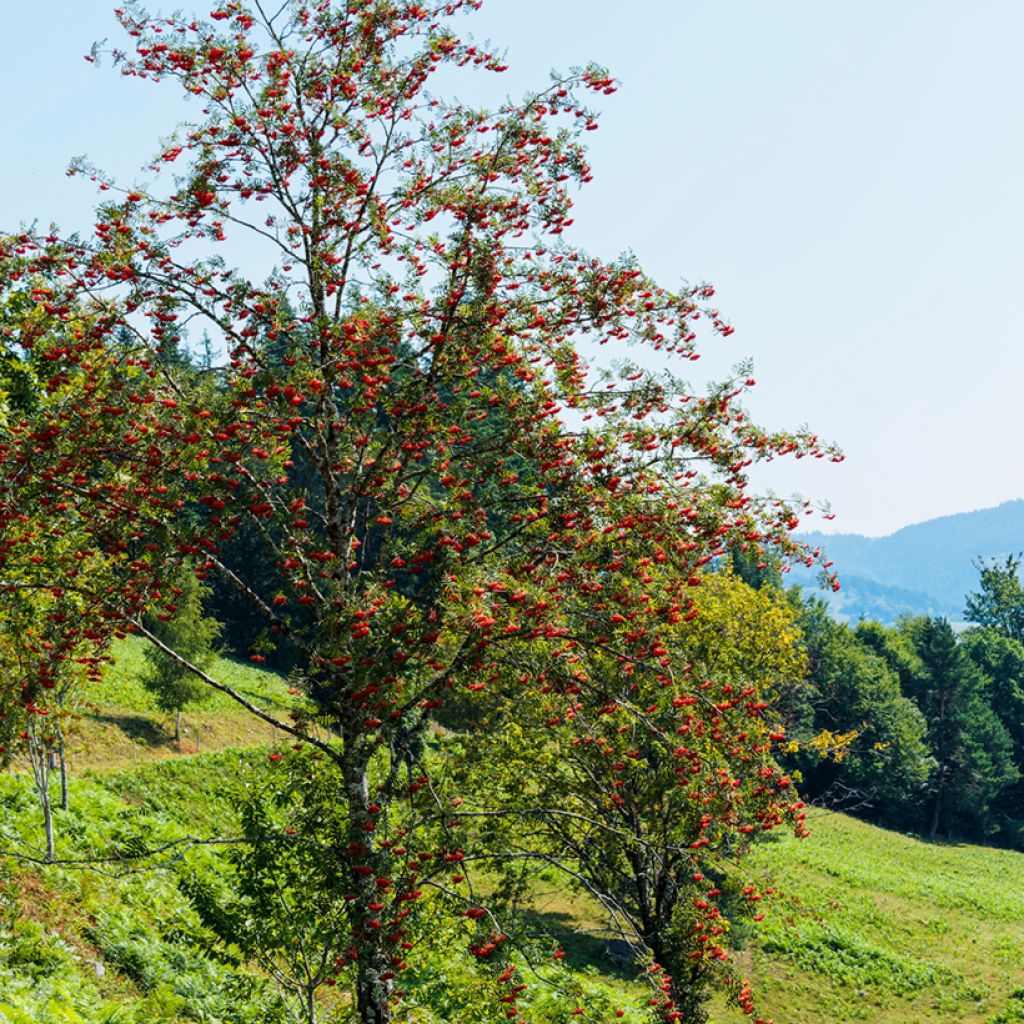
(870, 925)
(120, 725)
(878, 926)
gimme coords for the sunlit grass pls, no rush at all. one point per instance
(870, 926)
(118, 723)
(879, 926)
(122, 687)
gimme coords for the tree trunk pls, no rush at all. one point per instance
(42, 776)
(39, 760)
(373, 995)
(936, 813)
(63, 761)
(310, 1004)
(51, 853)
(372, 1001)
(689, 985)
(177, 729)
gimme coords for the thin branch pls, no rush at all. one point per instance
(292, 730)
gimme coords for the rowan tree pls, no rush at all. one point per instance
(48, 655)
(405, 420)
(645, 780)
(52, 579)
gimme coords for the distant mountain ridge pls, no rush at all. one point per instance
(926, 568)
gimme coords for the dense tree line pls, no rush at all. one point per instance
(916, 726)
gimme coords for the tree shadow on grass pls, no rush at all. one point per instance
(137, 728)
(611, 956)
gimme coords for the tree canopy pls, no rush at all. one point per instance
(441, 499)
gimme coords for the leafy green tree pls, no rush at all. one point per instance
(999, 602)
(1002, 661)
(274, 898)
(179, 623)
(864, 746)
(47, 658)
(972, 748)
(896, 646)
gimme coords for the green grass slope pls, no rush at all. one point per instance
(108, 943)
(119, 723)
(879, 926)
(871, 925)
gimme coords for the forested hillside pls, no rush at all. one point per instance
(924, 569)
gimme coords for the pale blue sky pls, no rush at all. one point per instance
(849, 176)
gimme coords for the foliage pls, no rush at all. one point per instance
(923, 721)
(1013, 1011)
(998, 604)
(974, 768)
(973, 751)
(1002, 661)
(116, 945)
(645, 787)
(875, 756)
(282, 903)
(390, 429)
(851, 961)
(179, 624)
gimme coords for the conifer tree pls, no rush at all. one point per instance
(182, 626)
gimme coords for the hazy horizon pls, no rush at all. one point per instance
(816, 526)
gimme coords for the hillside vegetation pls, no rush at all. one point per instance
(120, 724)
(923, 569)
(885, 927)
(872, 925)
